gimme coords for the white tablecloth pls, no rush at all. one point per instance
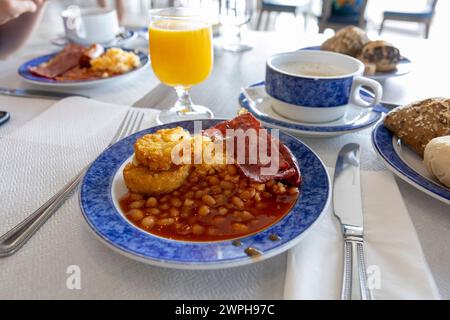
(265, 280)
(48, 150)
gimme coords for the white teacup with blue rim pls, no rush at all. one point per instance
(317, 86)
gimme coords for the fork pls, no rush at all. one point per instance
(15, 238)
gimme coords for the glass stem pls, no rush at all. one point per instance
(184, 103)
(239, 33)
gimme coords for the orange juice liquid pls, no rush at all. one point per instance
(181, 51)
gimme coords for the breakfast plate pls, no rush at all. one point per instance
(406, 164)
(403, 67)
(29, 77)
(258, 103)
(104, 184)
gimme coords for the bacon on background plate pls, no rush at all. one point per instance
(62, 62)
(71, 61)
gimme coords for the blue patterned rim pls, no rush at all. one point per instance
(382, 142)
(26, 74)
(403, 61)
(104, 219)
(374, 116)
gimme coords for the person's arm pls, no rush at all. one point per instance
(101, 3)
(11, 9)
(120, 8)
(15, 32)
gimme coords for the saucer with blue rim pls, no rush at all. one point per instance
(103, 185)
(256, 100)
(120, 39)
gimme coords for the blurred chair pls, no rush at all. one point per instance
(424, 17)
(290, 6)
(162, 4)
(337, 14)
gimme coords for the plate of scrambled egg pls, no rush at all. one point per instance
(79, 66)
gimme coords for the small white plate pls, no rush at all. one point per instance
(258, 102)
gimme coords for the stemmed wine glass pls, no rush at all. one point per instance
(181, 53)
(234, 14)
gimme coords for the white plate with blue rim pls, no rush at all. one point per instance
(256, 100)
(406, 164)
(29, 77)
(403, 67)
(103, 185)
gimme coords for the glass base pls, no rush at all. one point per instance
(237, 47)
(173, 115)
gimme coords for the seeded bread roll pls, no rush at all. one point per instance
(349, 40)
(381, 53)
(418, 123)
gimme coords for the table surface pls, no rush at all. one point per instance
(235, 70)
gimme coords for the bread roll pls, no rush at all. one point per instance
(437, 159)
(370, 69)
(349, 40)
(418, 123)
(381, 53)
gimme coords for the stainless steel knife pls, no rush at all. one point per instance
(31, 93)
(347, 205)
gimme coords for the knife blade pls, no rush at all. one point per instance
(389, 105)
(347, 189)
(347, 205)
(31, 93)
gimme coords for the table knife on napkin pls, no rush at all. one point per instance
(31, 93)
(347, 205)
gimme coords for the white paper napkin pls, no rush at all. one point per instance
(393, 251)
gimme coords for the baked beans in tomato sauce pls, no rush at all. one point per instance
(213, 204)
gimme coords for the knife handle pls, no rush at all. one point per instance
(354, 271)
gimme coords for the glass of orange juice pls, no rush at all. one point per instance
(181, 53)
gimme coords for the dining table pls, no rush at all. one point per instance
(231, 72)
